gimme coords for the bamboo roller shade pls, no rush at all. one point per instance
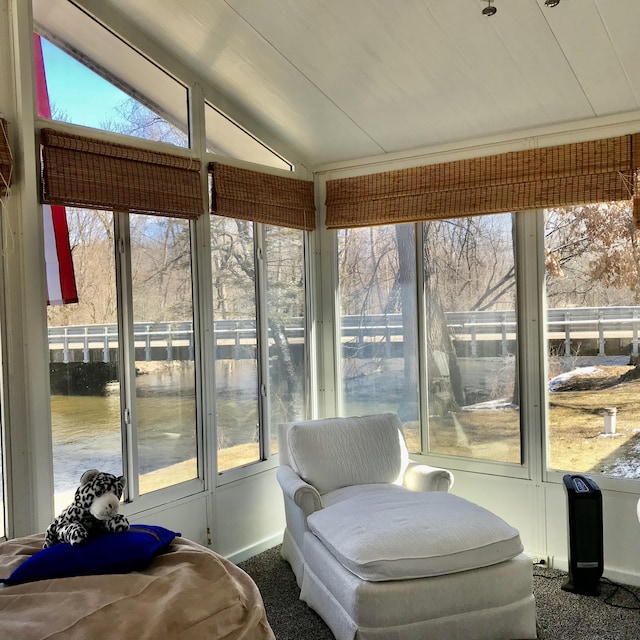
(6, 162)
(571, 174)
(262, 197)
(87, 172)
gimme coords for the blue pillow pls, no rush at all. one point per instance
(105, 553)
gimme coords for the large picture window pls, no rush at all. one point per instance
(112, 87)
(122, 364)
(378, 323)
(472, 365)
(85, 364)
(593, 320)
(260, 347)
(470, 392)
(165, 347)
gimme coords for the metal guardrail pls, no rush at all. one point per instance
(169, 340)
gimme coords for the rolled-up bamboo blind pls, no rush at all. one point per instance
(262, 197)
(92, 173)
(571, 174)
(6, 161)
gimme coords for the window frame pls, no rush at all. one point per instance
(128, 397)
(133, 500)
(267, 459)
(549, 474)
(523, 470)
(524, 274)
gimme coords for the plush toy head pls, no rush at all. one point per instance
(94, 509)
(100, 492)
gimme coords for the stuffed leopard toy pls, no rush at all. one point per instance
(93, 510)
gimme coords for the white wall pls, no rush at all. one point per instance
(539, 511)
(248, 516)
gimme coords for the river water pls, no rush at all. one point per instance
(86, 429)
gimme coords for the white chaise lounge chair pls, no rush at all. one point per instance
(382, 551)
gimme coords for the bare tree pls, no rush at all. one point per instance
(135, 119)
(597, 246)
(92, 247)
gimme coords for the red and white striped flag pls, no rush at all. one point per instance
(61, 282)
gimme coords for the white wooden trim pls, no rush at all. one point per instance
(579, 131)
(25, 358)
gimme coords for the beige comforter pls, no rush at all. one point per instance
(187, 592)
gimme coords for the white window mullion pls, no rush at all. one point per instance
(423, 396)
(199, 333)
(311, 276)
(205, 344)
(127, 354)
(203, 325)
(530, 274)
(262, 336)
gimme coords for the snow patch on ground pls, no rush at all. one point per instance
(491, 405)
(625, 468)
(556, 382)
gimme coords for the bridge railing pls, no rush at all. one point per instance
(470, 330)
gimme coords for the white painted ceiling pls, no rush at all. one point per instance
(344, 79)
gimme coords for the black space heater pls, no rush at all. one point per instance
(586, 554)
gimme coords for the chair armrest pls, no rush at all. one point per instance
(300, 492)
(422, 477)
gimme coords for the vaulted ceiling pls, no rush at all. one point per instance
(344, 79)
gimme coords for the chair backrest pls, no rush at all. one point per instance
(340, 452)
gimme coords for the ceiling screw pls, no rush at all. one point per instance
(490, 11)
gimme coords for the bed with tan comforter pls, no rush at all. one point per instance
(186, 593)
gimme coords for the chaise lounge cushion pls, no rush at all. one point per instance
(390, 533)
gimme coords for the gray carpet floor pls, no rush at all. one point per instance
(613, 615)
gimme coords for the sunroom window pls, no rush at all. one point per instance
(85, 366)
(226, 138)
(593, 323)
(471, 338)
(470, 295)
(234, 279)
(260, 365)
(470, 396)
(379, 323)
(81, 96)
(286, 326)
(122, 366)
(258, 267)
(95, 79)
(123, 373)
(165, 351)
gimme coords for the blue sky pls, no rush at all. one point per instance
(83, 95)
